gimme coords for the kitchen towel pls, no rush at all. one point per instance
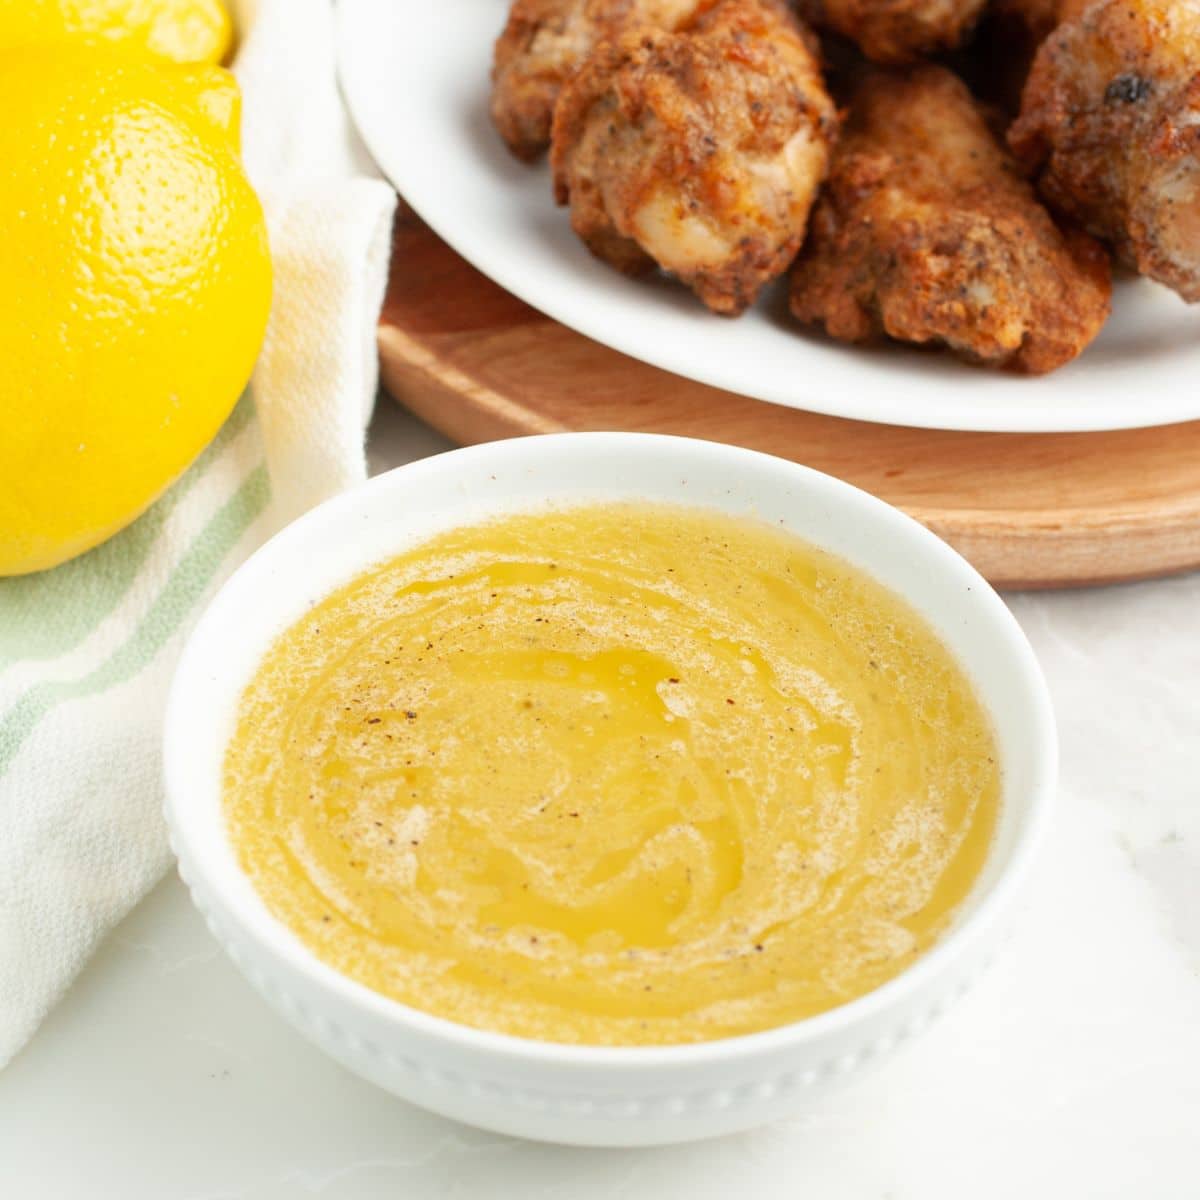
(87, 650)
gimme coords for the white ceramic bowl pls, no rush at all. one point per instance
(595, 1095)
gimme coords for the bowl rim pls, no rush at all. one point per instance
(278, 939)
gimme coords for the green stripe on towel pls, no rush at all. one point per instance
(184, 586)
(82, 592)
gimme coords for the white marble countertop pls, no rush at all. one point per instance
(1072, 1071)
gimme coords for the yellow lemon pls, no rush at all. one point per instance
(135, 283)
(185, 30)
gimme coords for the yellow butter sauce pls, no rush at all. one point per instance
(614, 775)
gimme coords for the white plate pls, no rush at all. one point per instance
(415, 73)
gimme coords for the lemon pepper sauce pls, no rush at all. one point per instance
(613, 775)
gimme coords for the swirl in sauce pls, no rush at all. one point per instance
(615, 774)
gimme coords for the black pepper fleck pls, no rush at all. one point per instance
(1128, 89)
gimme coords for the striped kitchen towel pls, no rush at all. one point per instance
(87, 650)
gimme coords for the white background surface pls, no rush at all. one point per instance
(415, 75)
(1072, 1071)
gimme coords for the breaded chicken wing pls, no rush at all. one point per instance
(540, 48)
(700, 151)
(897, 31)
(1110, 123)
(927, 233)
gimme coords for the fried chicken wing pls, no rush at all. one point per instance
(543, 43)
(897, 31)
(700, 151)
(1110, 123)
(927, 233)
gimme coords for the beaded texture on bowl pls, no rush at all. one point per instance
(784, 1088)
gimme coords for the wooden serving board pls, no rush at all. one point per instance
(1029, 510)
